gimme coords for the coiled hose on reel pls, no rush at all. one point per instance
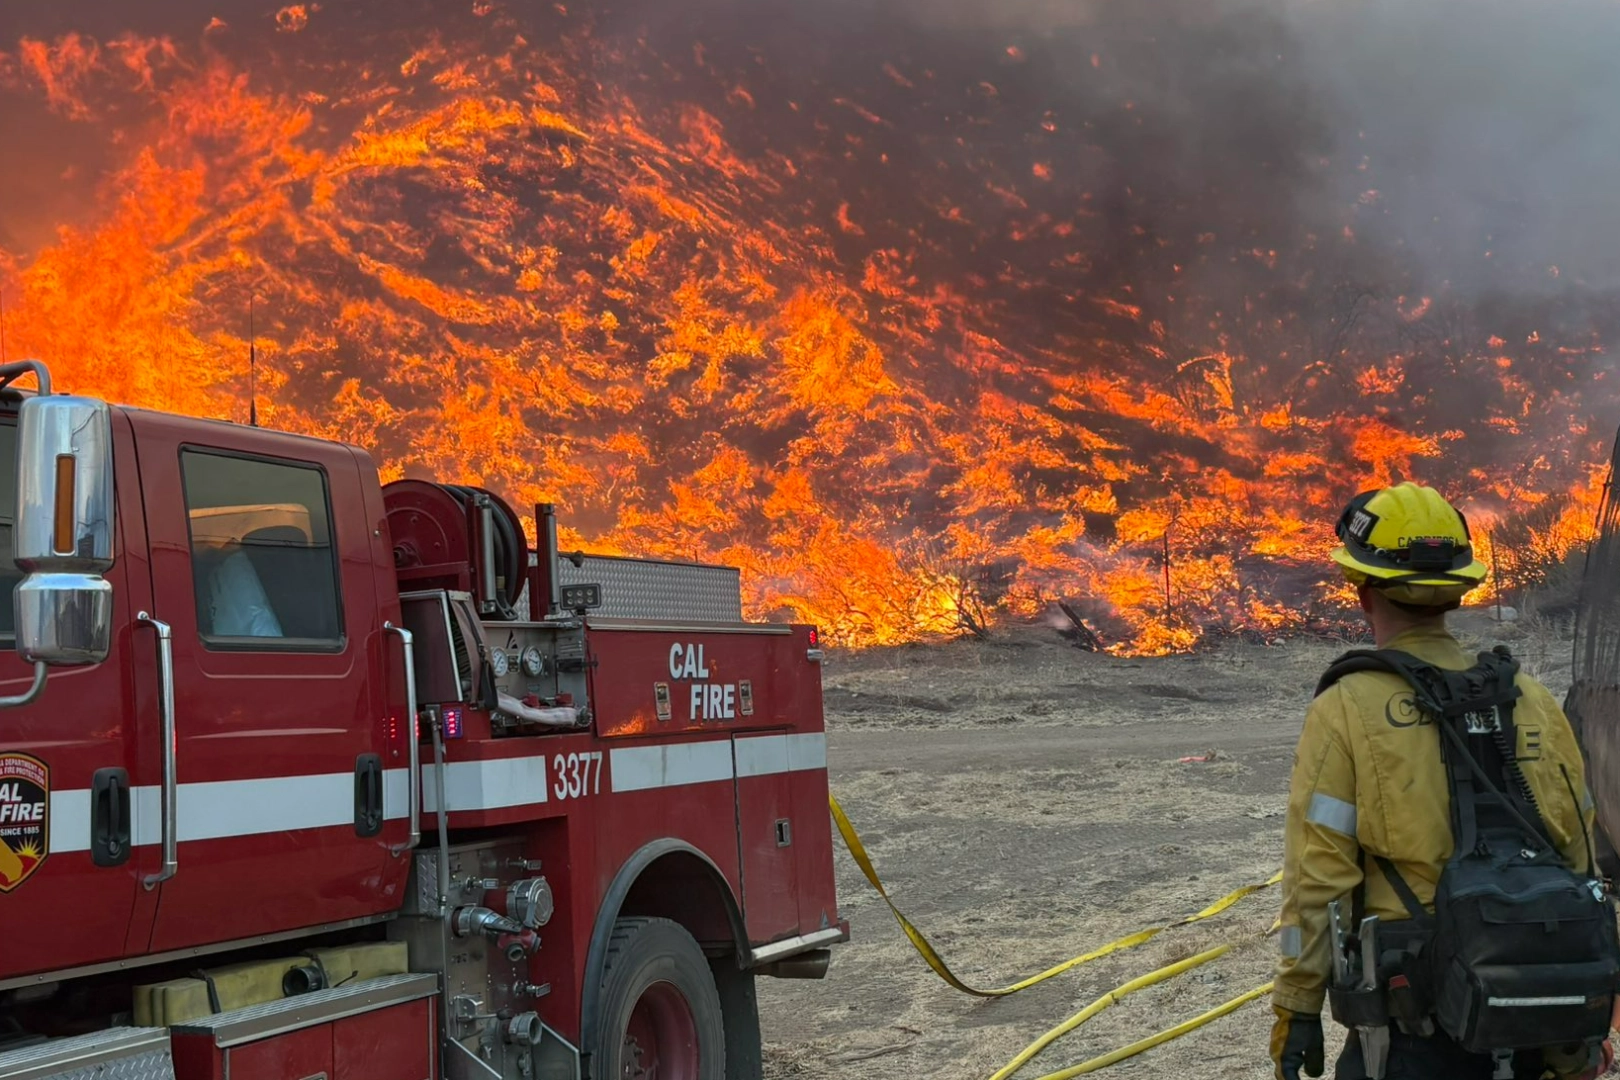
(511, 548)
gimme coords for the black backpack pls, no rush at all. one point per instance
(1520, 951)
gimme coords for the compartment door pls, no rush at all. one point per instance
(766, 836)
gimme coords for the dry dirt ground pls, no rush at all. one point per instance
(1024, 802)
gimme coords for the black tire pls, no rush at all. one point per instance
(650, 958)
(745, 1053)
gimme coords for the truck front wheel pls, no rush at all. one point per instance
(660, 1014)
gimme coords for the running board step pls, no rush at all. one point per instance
(124, 1053)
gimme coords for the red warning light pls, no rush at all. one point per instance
(815, 638)
(452, 723)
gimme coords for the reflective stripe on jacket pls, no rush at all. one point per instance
(1369, 780)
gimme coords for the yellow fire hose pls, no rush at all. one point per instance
(857, 849)
(1119, 993)
(1152, 978)
(1114, 1057)
(926, 950)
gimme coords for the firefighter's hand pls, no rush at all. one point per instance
(1602, 1062)
(1296, 1043)
(1579, 1062)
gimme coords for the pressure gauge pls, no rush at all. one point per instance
(500, 662)
(533, 662)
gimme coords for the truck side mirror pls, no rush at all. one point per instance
(63, 537)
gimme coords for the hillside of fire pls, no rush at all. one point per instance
(923, 318)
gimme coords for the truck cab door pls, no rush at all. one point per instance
(262, 564)
(71, 762)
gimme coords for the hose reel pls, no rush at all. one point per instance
(453, 536)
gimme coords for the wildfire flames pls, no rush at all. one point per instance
(917, 327)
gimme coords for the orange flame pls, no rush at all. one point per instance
(473, 254)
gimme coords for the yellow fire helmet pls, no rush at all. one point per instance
(1409, 543)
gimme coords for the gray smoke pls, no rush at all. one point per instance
(1489, 128)
(1480, 138)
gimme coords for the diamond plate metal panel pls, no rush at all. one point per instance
(115, 1054)
(649, 589)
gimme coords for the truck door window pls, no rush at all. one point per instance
(262, 559)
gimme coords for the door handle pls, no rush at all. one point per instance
(368, 795)
(171, 840)
(109, 825)
(408, 640)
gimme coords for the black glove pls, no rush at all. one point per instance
(1296, 1042)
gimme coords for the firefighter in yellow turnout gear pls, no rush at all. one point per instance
(1369, 780)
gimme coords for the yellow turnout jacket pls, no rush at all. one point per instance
(1369, 780)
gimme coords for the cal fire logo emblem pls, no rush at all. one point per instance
(25, 818)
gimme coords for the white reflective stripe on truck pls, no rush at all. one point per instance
(216, 809)
(488, 784)
(677, 764)
(763, 755)
(671, 764)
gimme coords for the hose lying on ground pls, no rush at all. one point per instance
(1119, 993)
(926, 950)
(1114, 1057)
(931, 956)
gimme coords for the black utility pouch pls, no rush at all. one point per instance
(1525, 954)
(1358, 1008)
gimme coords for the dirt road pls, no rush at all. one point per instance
(1025, 803)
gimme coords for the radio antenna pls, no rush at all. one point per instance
(253, 359)
(2, 326)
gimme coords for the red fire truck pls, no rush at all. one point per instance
(306, 776)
